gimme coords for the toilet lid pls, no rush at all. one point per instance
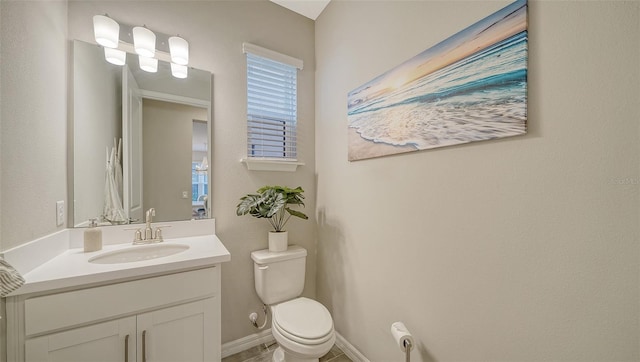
(304, 318)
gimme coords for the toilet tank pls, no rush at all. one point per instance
(279, 276)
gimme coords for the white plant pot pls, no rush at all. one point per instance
(278, 241)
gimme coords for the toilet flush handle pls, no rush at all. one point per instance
(263, 267)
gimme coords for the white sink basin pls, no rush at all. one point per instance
(138, 253)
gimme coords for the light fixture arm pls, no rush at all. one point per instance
(162, 40)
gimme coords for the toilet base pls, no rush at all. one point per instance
(279, 355)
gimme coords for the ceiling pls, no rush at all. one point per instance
(309, 8)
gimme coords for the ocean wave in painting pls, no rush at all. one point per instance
(481, 96)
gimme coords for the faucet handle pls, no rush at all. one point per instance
(159, 234)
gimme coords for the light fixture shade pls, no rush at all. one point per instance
(106, 31)
(144, 41)
(204, 166)
(179, 49)
(115, 56)
(179, 71)
(148, 64)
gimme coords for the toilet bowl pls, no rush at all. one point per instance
(302, 327)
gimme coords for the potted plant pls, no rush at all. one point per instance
(272, 203)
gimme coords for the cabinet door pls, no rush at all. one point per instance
(185, 333)
(109, 341)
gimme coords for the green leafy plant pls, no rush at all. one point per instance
(272, 203)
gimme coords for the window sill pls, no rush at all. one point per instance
(268, 164)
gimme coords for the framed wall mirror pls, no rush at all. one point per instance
(140, 140)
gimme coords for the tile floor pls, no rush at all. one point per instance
(264, 353)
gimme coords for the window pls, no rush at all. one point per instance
(199, 184)
(271, 104)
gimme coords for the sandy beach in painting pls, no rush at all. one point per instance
(470, 87)
(360, 148)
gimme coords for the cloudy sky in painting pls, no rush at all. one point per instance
(494, 28)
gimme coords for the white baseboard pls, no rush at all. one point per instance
(349, 349)
(243, 344)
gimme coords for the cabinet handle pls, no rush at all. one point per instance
(126, 348)
(144, 346)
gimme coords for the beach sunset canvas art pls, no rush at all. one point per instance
(470, 87)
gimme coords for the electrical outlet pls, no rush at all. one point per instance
(59, 213)
(185, 194)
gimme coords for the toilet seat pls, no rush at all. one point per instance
(304, 321)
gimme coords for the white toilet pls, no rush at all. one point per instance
(302, 327)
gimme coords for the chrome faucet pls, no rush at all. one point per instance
(148, 236)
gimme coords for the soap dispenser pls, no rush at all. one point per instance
(92, 237)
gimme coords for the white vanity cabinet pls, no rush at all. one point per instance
(173, 317)
(180, 333)
(108, 341)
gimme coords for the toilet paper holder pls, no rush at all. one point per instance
(408, 346)
(403, 338)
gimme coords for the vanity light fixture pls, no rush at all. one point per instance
(106, 31)
(148, 64)
(204, 166)
(179, 49)
(115, 56)
(179, 71)
(144, 41)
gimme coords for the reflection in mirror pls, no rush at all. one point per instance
(140, 140)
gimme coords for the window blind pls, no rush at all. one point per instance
(271, 108)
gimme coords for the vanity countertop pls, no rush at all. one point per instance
(73, 269)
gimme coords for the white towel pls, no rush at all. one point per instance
(10, 279)
(113, 210)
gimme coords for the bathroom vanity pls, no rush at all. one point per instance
(142, 305)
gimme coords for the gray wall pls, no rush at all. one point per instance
(1, 91)
(522, 249)
(34, 118)
(3, 327)
(215, 31)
